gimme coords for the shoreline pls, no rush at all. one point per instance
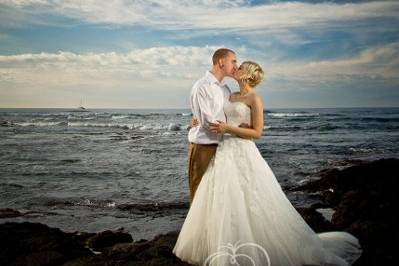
(358, 199)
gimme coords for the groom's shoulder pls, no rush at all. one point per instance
(201, 83)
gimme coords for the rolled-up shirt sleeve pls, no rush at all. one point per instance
(206, 105)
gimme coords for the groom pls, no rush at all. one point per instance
(207, 98)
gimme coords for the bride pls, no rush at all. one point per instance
(240, 215)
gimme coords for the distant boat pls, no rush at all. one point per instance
(80, 108)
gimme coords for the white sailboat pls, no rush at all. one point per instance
(80, 108)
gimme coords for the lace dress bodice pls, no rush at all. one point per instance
(237, 113)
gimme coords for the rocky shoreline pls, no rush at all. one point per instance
(363, 199)
(358, 199)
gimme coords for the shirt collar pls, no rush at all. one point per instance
(211, 78)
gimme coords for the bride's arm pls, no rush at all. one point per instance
(247, 133)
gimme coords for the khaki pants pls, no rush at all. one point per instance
(199, 156)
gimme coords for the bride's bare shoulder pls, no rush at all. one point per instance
(252, 96)
(255, 99)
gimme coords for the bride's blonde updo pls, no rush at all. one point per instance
(252, 73)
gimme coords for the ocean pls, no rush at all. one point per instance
(112, 168)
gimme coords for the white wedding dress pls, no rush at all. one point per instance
(241, 216)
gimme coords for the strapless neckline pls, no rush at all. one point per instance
(237, 112)
(240, 102)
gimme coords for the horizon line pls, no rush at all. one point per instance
(171, 108)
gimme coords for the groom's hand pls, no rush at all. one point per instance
(220, 127)
(194, 122)
(244, 125)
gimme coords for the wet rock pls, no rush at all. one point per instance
(6, 123)
(364, 198)
(157, 251)
(37, 244)
(174, 127)
(108, 238)
(315, 219)
(8, 213)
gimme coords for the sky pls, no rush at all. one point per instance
(149, 53)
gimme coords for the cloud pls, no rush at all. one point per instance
(157, 67)
(231, 16)
(114, 79)
(377, 63)
(177, 65)
(154, 57)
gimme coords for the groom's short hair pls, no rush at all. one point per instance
(220, 53)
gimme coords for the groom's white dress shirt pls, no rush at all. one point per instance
(207, 99)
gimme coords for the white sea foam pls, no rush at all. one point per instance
(86, 124)
(119, 116)
(136, 126)
(40, 124)
(365, 150)
(292, 114)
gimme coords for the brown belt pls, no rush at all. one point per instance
(211, 144)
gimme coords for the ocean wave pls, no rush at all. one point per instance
(151, 115)
(325, 127)
(380, 119)
(6, 123)
(41, 124)
(34, 114)
(116, 116)
(11, 185)
(175, 127)
(322, 127)
(333, 114)
(103, 115)
(119, 116)
(154, 206)
(360, 150)
(131, 126)
(131, 207)
(364, 119)
(368, 126)
(136, 126)
(291, 128)
(81, 202)
(78, 117)
(292, 114)
(69, 161)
